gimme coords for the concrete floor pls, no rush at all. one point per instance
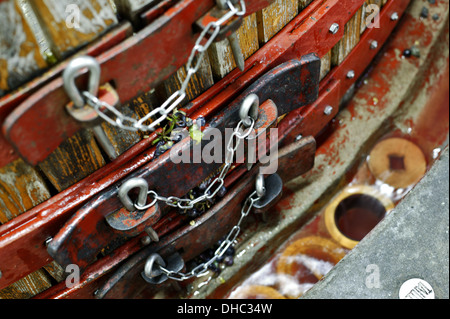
(411, 242)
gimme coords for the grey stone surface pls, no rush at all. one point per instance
(411, 242)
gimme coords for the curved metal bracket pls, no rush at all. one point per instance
(71, 72)
(78, 108)
(154, 275)
(249, 109)
(127, 187)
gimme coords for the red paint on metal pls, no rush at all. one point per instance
(173, 33)
(212, 225)
(88, 222)
(304, 35)
(29, 231)
(13, 99)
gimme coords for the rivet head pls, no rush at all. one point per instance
(351, 74)
(373, 45)
(328, 110)
(394, 16)
(334, 28)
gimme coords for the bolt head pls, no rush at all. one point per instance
(328, 110)
(373, 45)
(334, 28)
(351, 74)
(394, 16)
(146, 240)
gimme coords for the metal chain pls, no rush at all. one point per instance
(240, 133)
(124, 122)
(202, 269)
(215, 186)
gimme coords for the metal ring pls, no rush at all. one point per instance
(155, 197)
(260, 185)
(127, 187)
(71, 72)
(150, 270)
(331, 210)
(249, 110)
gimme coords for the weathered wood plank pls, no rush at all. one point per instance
(325, 66)
(144, 104)
(370, 12)
(220, 54)
(130, 9)
(75, 159)
(349, 41)
(199, 83)
(302, 4)
(121, 140)
(366, 16)
(273, 18)
(24, 50)
(27, 287)
(70, 24)
(56, 271)
(21, 188)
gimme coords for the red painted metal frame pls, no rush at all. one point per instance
(10, 101)
(330, 90)
(22, 240)
(40, 124)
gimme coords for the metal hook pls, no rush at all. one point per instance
(153, 272)
(249, 109)
(78, 109)
(71, 72)
(127, 187)
(260, 185)
(150, 271)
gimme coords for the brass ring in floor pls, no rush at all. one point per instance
(397, 162)
(354, 213)
(318, 248)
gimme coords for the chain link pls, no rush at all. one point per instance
(211, 191)
(202, 269)
(210, 33)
